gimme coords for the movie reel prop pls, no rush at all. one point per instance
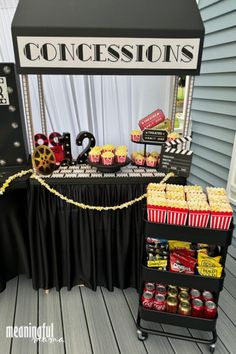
(54, 141)
(44, 160)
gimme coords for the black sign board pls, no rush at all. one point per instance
(177, 161)
(158, 136)
(13, 142)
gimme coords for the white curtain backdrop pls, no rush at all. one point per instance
(107, 106)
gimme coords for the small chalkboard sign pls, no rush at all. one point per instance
(158, 136)
(177, 161)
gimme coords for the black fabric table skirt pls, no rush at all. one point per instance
(15, 256)
(70, 246)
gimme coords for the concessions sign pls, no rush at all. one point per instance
(108, 37)
(115, 53)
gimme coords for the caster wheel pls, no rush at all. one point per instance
(141, 335)
(212, 348)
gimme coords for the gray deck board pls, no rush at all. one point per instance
(230, 283)
(226, 331)
(75, 327)
(227, 304)
(156, 344)
(101, 333)
(50, 312)
(103, 322)
(7, 307)
(180, 346)
(123, 323)
(26, 313)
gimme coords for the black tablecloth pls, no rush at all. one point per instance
(14, 241)
(59, 245)
(71, 246)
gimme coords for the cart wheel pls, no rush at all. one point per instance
(142, 335)
(212, 348)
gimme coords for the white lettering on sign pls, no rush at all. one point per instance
(108, 53)
(4, 98)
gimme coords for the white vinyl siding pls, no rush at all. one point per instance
(214, 97)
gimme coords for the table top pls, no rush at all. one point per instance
(85, 174)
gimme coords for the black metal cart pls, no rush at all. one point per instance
(220, 238)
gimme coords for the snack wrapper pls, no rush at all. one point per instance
(214, 272)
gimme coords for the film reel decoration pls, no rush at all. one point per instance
(54, 141)
(41, 137)
(44, 160)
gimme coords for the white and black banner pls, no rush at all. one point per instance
(108, 53)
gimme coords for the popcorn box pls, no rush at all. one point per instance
(198, 218)
(220, 220)
(95, 158)
(151, 163)
(177, 216)
(135, 137)
(139, 162)
(152, 119)
(156, 213)
(121, 159)
(108, 161)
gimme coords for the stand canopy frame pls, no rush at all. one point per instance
(105, 37)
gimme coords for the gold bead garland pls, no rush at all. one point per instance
(71, 201)
(12, 178)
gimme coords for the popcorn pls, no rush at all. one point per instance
(196, 197)
(194, 189)
(108, 147)
(174, 187)
(198, 205)
(174, 203)
(156, 186)
(221, 207)
(175, 195)
(215, 190)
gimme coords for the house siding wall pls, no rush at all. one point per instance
(214, 96)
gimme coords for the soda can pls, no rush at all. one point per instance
(210, 309)
(161, 289)
(172, 287)
(183, 289)
(195, 294)
(197, 308)
(147, 299)
(171, 304)
(207, 295)
(149, 287)
(173, 292)
(159, 303)
(183, 296)
(184, 308)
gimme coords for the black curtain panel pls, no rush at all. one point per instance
(70, 246)
(14, 239)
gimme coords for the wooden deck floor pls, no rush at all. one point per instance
(103, 322)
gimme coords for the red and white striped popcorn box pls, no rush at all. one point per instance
(156, 213)
(135, 137)
(198, 218)
(220, 220)
(177, 216)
